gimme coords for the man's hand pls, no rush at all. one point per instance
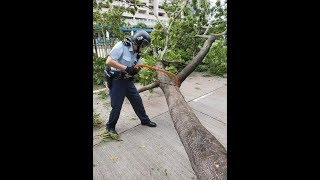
(132, 71)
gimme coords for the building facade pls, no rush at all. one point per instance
(143, 14)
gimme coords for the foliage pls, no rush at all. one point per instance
(97, 122)
(98, 69)
(147, 76)
(216, 60)
(183, 43)
(158, 37)
(183, 40)
(112, 19)
(109, 136)
(103, 95)
(141, 25)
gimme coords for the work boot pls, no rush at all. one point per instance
(113, 131)
(150, 124)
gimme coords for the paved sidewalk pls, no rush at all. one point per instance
(157, 153)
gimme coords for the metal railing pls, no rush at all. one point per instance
(102, 46)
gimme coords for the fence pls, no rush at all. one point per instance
(102, 46)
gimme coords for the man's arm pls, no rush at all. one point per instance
(115, 53)
(112, 63)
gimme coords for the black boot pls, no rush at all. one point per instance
(150, 124)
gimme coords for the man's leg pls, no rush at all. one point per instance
(137, 105)
(117, 94)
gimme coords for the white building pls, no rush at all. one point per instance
(144, 14)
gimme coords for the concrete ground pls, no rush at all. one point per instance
(157, 153)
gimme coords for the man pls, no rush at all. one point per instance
(120, 72)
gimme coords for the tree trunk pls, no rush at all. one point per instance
(207, 155)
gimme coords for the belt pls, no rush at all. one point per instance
(118, 75)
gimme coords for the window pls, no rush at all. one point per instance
(142, 11)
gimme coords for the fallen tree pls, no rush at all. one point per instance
(207, 156)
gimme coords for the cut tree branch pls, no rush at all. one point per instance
(208, 27)
(185, 72)
(148, 87)
(176, 15)
(168, 31)
(204, 36)
(162, 25)
(165, 47)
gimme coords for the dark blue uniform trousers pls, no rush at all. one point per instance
(120, 89)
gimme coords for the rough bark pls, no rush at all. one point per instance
(207, 156)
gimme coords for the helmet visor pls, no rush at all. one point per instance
(144, 44)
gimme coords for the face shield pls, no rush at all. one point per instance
(144, 44)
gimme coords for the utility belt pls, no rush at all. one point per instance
(119, 75)
(116, 75)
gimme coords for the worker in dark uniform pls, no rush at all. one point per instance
(120, 72)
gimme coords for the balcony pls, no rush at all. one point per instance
(150, 23)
